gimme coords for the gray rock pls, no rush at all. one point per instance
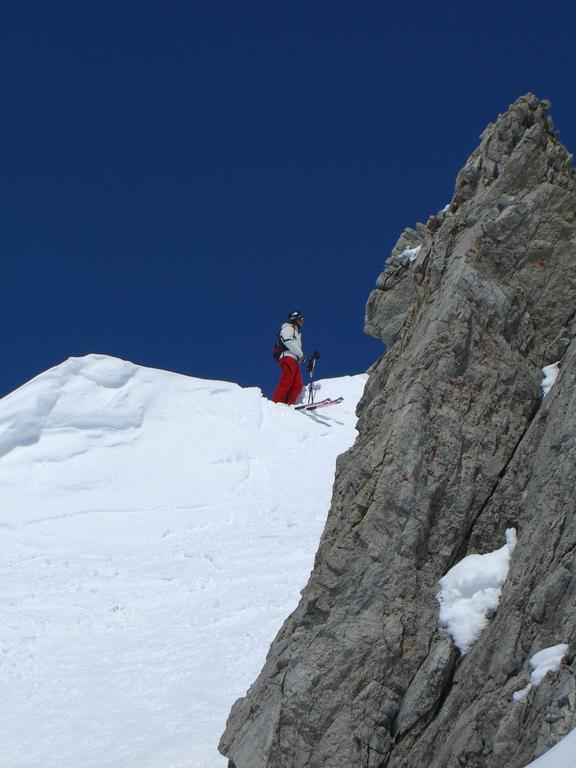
(455, 445)
(427, 687)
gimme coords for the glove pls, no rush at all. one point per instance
(315, 356)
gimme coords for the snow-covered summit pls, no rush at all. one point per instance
(82, 394)
(100, 432)
(155, 530)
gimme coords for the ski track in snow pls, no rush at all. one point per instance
(155, 531)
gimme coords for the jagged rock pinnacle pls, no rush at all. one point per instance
(455, 446)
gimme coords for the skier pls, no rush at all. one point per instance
(290, 384)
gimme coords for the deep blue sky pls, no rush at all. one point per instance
(177, 176)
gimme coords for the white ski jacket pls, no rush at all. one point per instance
(292, 338)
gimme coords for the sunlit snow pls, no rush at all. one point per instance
(562, 755)
(155, 531)
(550, 373)
(546, 660)
(409, 255)
(471, 590)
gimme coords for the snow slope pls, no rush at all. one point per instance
(563, 755)
(155, 530)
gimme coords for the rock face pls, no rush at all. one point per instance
(456, 444)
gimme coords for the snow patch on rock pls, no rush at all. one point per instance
(470, 592)
(550, 373)
(546, 660)
(408, 256)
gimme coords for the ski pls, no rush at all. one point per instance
(305, 406)
(324, 403)
(320, 404)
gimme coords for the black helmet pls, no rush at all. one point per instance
(294, 316)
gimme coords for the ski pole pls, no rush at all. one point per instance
(310, 367)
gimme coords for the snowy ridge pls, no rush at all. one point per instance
(155, 530)
(81, 394)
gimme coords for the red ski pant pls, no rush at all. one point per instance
(290, 384)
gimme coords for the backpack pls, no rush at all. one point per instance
(278, 347)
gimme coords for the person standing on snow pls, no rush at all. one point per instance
(290, 384)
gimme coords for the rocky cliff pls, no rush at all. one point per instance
(456, 445)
